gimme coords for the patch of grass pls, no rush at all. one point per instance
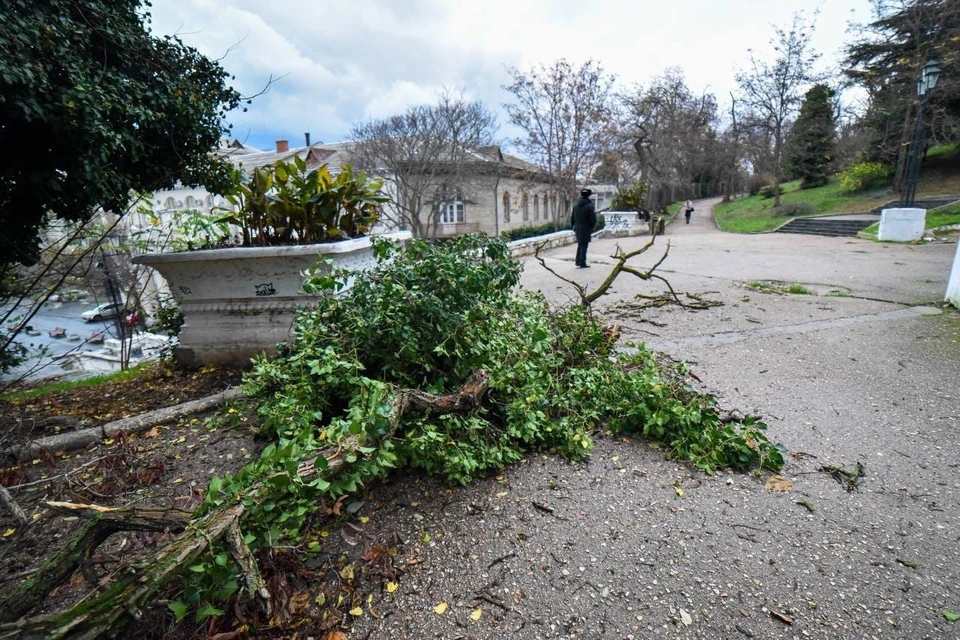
(838, 293)
(761, 287)
(58, 387)
(755, 213)
(782, 288)
(940, 217)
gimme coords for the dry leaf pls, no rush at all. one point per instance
(364, 519)
(153, 433)
(476, 614)
(356, 611)
(9, 532)
(779, 483)
(335, 635)
(347, 573)
(440, 609)
(685, 618)
(392, 586)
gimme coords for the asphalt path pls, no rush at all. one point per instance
(47, 352)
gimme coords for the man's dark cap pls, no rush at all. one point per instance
(586, 193)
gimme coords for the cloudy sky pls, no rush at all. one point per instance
(342, 62)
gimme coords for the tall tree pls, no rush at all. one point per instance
(813, 138)
(565, 114)
(771, 90)
(671, 130)
(94, 110)
(886, 59)
(422, 155)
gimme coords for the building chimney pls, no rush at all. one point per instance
(282, 146)
(306, 137)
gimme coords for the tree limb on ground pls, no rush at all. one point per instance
(621, 266)
(143, 422)
(125, 599)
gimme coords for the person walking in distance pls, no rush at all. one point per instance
(583, 220)
(688, 209)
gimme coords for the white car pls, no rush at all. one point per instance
(102, 312)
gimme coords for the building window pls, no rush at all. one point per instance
(506, 206)
(525, 205)
(188, 202)
(536, 207)
(170, 203)
(450, 209)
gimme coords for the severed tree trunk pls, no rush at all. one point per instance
(125, 599)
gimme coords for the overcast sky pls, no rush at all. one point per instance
(343, 62)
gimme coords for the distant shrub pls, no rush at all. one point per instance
(756, 182)
(523, 233)
(631, 198)
(864, 175)
(767, 192)
(794, 209)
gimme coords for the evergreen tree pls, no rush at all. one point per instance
(886, 60)
(813, 138)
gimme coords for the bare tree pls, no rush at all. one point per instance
(672, 131)
(565, 113)
(771, 91)
(422, 155)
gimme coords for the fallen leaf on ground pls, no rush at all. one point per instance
(335, 635)
(9, 532)
(153, 433)
(806, 504)
(440, 609)
(950, 615)
(685, 618)
(779, 483)
(391, 587)
(356, 611)
(479, 612)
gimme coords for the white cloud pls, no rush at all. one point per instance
(342, 62)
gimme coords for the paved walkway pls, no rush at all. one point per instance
(863, 369)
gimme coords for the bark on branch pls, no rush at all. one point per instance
(123, 601)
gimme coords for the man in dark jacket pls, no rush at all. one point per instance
(583, 220)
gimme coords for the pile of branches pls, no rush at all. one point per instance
(433, 360)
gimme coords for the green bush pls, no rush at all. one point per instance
(767, 192)
(521, 233)
(864, 175)
(629, 199)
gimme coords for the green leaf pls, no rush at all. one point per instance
(950, 615)
(206, 611)
(179, 609)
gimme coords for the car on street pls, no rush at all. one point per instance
(102, 312)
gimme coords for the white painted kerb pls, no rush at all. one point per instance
(902, 224)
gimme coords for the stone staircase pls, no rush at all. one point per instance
(826, 227)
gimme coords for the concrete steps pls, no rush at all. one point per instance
(826, 227)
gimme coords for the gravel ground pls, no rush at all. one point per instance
(611, 549)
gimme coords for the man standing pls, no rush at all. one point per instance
(584, 219)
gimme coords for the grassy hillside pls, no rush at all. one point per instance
(939, 175)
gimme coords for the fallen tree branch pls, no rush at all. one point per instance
(103, 522)
(12, 505)
(621, 266)
(143, 422)
(123, 601)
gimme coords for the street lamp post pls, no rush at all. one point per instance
(928, 80)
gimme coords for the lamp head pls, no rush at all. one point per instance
(929, 75)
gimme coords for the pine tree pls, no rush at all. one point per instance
(813, 138)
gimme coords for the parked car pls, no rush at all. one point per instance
(102, 312)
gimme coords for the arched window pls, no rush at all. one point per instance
(170, 203)
(525, 205)
(450, 206)
(536, 207)
(506, 206)
(210, 201)
(188, 202)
